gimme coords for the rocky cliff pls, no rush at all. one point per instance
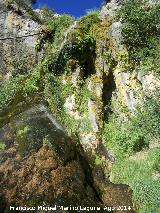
(94, 81)
(20, 30)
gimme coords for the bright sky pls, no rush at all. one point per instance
(75, 8)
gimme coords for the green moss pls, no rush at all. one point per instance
(21, 85)
(2, 145)
(22, 139)
(56, 94)
(99, 161)
(22, 131)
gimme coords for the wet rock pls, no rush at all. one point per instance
(92, 111)
(41, 165)
(118, 196)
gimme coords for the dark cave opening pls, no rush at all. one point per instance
(109, 86)
(88, 67)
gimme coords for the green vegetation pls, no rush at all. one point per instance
(99, 161)
(78, 43)
(57, 27)
(22, 131)
(131, 139)
(87, 22)
(130, 134)
(134, 139)
(20, 86)
(140, 174)
(61, 61)
(141, 31)
(2, 145)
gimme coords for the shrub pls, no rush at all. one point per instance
(130, 135)
(136, 164)
(147, 196)
(141, 31)
(58, 25)
(88, 21)
(138, 174)
(152, 104)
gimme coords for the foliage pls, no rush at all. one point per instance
(99, 160)
(75, 44)
(7, 93)
(126, 136)
(130, 139)
(58, 25)
(147, 196)
(137, 168)
(140, 30)
(56, 58)
(87, 22)
(2, 145)
(22, 131)
(123, 138)
(152, 104)
(32, 83)
(48, 14)
(24, 85)
(139, 174)
(18, 88)
(56, 94)
(58, 53)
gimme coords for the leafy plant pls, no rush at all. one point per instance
(2, 146)
(58, 25)
(130, 139)
(22, 131)
(139, 174)
(88, 21)
(141, 31)
(126, 136)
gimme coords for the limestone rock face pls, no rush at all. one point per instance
(148, 81)
(19, 32)
(79, 80)
(130, 87)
